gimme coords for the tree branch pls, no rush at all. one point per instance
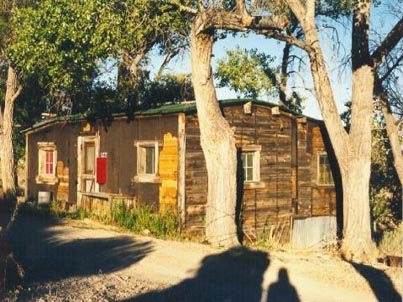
(297, 9)
(390, 69)
(286, 38)
(184, 8)
(16, 94)
(221, 19)
(392, 128)
(388, 44)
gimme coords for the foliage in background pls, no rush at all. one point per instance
(245, 72)
(250, 74)
(385, 189)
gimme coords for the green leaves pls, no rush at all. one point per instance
(63, 40)
(56, 40)
(245, 72)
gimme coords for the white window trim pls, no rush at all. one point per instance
(318, 170)
(255, 149)
(142, 177)
(43, 178)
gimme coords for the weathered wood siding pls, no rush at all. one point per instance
(116, 139)
(287, 172)
(269, 203)
(64, 136)
(313, 199)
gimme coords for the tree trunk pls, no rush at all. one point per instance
(282, 86)
(357, 242)
(392, 130)
(355, 170)
(218, 144)
(6, 148)
(352, 150)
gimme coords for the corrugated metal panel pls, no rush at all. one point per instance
(313, 231)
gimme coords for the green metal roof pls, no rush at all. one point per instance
(185, 107)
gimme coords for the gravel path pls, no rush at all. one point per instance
(85, 261)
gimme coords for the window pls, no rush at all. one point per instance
(147, 161)
(89, 157)
(250, 158)
(325, 176)
(47, 159)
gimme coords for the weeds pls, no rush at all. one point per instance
(144, 219)
(138, 219)
(392, 242)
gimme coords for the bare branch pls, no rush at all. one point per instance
(166, 61)
(388, 44)
(286, 38)
(391, 68)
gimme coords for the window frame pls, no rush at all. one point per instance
(318, 178)
(141, 175)
(42, 176)
(255, 150)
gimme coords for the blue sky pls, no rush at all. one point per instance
(383, 19)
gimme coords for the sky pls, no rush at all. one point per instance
(335, 54)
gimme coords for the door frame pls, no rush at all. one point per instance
(80, 161)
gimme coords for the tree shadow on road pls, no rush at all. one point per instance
(379, 282)
(235, 275)
(50, 255)
(282, 290)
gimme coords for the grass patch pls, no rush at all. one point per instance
(138, 219)
(392, 241)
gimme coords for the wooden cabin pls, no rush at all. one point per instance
(286, 165)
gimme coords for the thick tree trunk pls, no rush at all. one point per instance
(356, 170)
(357, 242)
(352, 150)
(6, 148)
(218, 145)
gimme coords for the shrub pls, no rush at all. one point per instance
(392, 241)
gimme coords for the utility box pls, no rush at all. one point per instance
(101, 170)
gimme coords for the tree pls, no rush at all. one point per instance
(353, 148)
(246, 72)
(13, 90)
(167, 88)
(388, 93)
(250, 73)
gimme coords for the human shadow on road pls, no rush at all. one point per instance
(49, 254)
(235, 275)
(379, 282)
(282, 290)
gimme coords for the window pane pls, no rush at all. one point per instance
(89, 158)
(248, 166)
(150, 160)
(325, 172)
(49, 162)
(249, 174)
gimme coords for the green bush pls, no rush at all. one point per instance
(392, 241)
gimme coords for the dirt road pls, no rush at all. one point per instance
(84, 261)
